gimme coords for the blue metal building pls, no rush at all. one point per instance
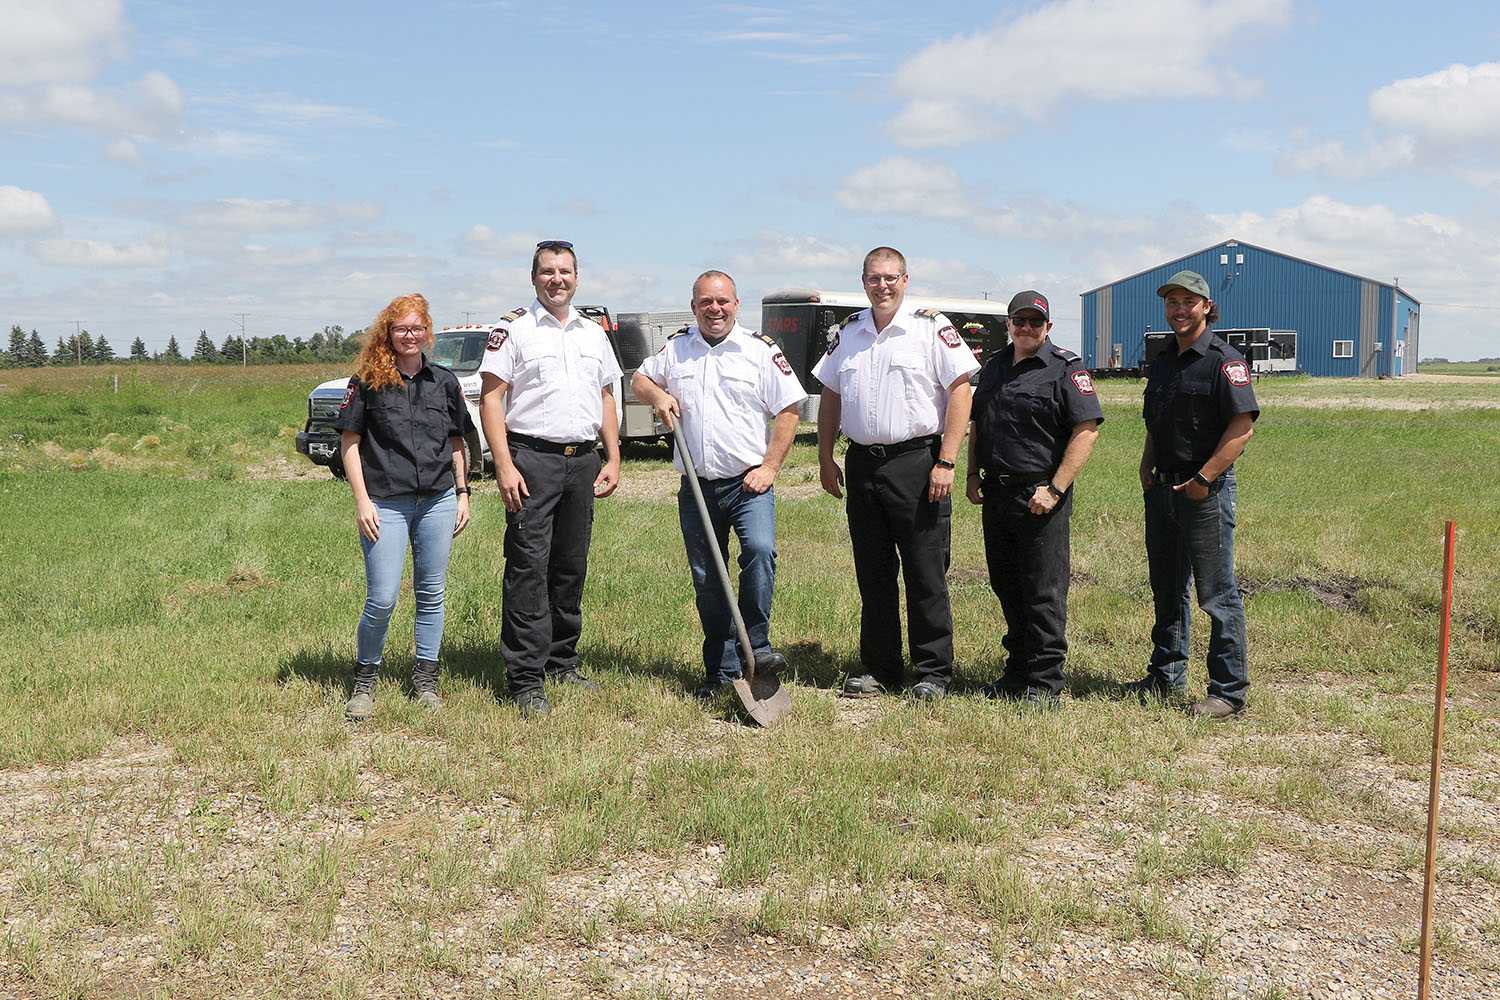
(1330, 321)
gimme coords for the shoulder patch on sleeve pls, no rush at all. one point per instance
(349, 393)
(782, 364)
(1084, 381)
(498, 336)
(1236, 373)
(950, 337)
(928, 313)
(833, 342)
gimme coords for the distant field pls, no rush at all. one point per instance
(188, 815)
(1461, 368)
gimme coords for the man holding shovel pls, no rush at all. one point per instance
(721, 382)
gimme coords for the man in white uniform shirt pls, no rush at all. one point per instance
(896, 383)
(723, 382)
(547, 401)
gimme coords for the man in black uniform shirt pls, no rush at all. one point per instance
(1199, 414)
(1035, 420)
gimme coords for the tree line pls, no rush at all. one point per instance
(328, 344)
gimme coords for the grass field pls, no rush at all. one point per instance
(189, 815)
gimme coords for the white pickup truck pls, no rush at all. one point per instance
(460, 348)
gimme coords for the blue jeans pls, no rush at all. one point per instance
(1192, 542)
(426, 524)
(753, 518)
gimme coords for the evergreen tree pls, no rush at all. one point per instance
(36, 351)
(204, 350)
(138, 350)
(65, 354)
(103, 352)
(16, 356)
(84, 347)
(233, 350)
(173, 352)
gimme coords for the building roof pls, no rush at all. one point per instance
(1256, 246)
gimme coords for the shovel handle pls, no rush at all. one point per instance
(713, 546)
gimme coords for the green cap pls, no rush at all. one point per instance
(1188, 281)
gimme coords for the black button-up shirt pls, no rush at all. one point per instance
(1025, 411)
(1190, 398)
(404, 431)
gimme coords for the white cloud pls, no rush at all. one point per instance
(1101, 50)
(484, 241)
(48, 41)
(123, 151)
(23, 211)
(785, 258)
(150, 106)
(290, 111)
(97, 253)
(235, 144)
(249, 215)
(1455, 105)
(1334, 159)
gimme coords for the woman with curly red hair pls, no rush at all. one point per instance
(403, 423)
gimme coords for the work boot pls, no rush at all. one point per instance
(533, 704)
(1214, 707)
(574, 678)
(711, 690)
(862, 686)
(362, 702)
(424, 677)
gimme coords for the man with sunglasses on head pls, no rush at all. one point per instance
(896, 383)
(1036, 418)
(547, 402)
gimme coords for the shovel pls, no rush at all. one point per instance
(759, 690)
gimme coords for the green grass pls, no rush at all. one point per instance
(207, 623)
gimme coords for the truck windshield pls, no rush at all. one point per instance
(460, 351)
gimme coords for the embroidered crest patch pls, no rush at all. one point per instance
(949, 337)
(1084, 381)
(833, 342)
(348, 395)
(782, 364)
(497, 340)
(1237, 372)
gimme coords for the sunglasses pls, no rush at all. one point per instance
(1035, 322)
(554, 245)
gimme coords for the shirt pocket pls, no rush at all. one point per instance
(1193, 405)
(1031, 404)
(847, 377)
(541, 365)
(741, 383)
(911, 369)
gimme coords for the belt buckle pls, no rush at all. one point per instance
(569, 450)
(877, 450)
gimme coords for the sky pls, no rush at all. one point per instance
(167, 167)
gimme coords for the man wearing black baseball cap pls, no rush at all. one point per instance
(1036, 417)
(1200, 411)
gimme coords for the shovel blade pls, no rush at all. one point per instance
(765, 700)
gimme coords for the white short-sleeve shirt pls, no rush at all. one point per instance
(726, 392)
(893, 385)
(555, 372)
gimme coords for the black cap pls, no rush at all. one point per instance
(1033, 300)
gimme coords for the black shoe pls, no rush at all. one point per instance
(574, 678)
(862, 686)
(424, 675)
(712, 690)
(533, 704)
(929, 691)
(1034, 697)
(362, 700)
(1154, 689)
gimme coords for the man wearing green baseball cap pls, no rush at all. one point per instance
(1199, 411)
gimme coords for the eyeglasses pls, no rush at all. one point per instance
(1035, 322)
(876, 280)
(408, 331)
(554, 245)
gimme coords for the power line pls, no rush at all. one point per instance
(244, 348)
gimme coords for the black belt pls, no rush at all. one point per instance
(569, 448)
(992, 476)
(1171, 477)
(891, 450)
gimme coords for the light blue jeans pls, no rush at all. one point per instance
(425, 524)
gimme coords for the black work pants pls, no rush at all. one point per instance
(894, 527)
(546, 558)
(1028, 559)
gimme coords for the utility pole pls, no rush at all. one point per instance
(244, 348)
(468, 317)
(78, 340)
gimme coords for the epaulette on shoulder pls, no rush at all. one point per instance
(1068, 356)
(853, 318)
(766, 339)
(679, 333)
(513, 315)
(929, 313)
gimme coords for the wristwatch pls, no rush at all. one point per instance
(1201, 479)
(1052, 488)
(463, 491)
(943, 463)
